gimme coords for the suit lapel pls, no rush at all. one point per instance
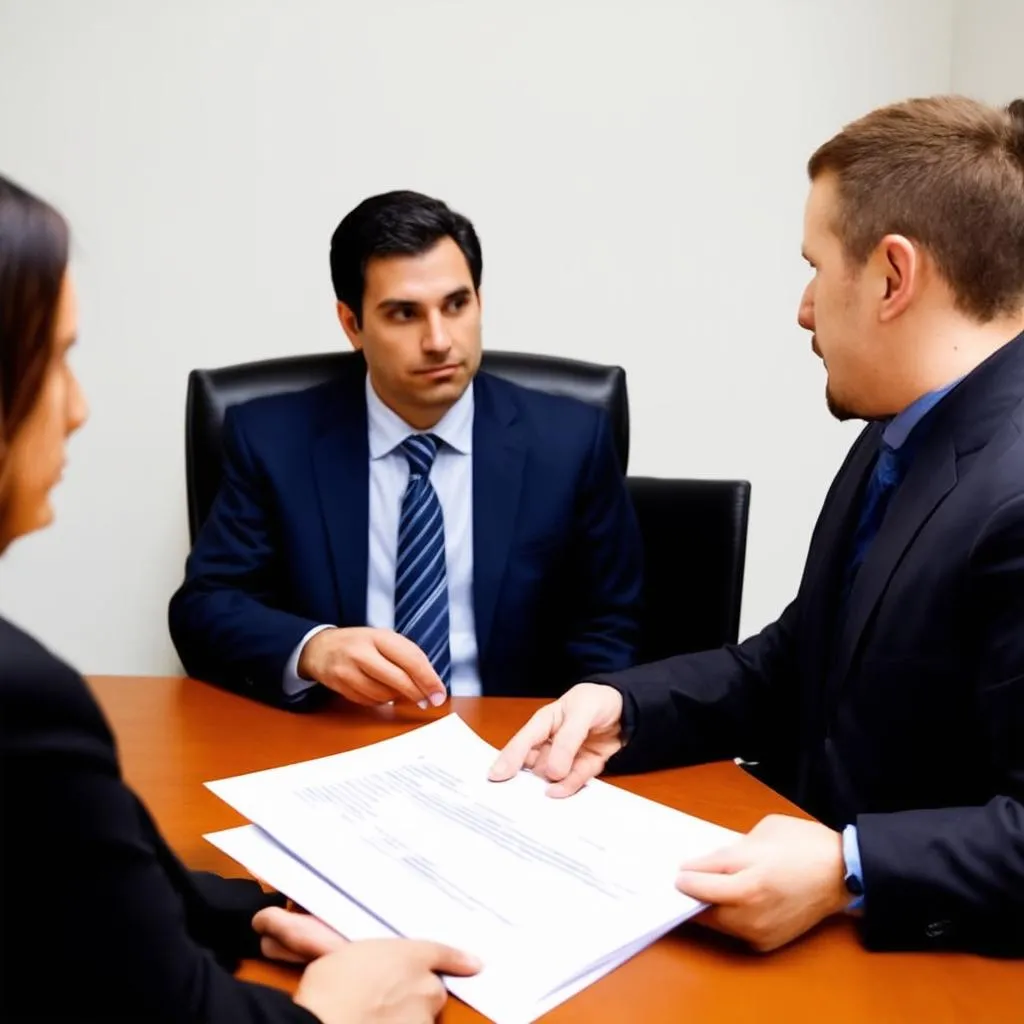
(499, 454)
(341, 465)
(932, 475)
(963, 423)
(826, 562)
(821, 588)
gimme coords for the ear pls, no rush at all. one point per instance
(350, 325)
(899, 270)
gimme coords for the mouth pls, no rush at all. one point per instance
(438, 372)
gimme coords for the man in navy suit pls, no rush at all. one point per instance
(413, 528)
(888, 698)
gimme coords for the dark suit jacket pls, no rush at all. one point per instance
(98, 919)
(905, 714)
(556, 550)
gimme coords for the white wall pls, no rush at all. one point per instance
(635, 170)
(988, 44)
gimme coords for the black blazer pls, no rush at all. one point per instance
(903, 714)
(557, 555)
(98, 919)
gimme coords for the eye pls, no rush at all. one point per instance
(458, 303)
(402, 314)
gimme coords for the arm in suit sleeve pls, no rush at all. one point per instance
(954, 876)
(733, 702)
(607, 565)
(105, 924)
(226, 909)
(222, 619)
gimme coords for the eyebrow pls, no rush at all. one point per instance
(397, 304)
(389, 304)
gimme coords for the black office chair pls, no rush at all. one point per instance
(694, 531)
(695, 548)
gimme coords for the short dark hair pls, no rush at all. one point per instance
(947, 172)
(34, 242)
(395, 224)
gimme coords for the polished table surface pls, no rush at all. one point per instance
(174, 734)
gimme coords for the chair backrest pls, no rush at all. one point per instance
(211, 392)
(695, 543)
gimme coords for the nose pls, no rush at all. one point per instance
(805, 314)
(78, 407)
(436, 339)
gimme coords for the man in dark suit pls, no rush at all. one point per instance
(413, 528)
(888, 699)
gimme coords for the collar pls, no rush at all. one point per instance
(387, 430)
(899, 428)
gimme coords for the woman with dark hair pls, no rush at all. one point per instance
(98, 919)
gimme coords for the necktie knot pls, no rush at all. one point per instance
(420, 451)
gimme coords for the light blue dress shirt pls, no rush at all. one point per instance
(895, 436)
(452, 479)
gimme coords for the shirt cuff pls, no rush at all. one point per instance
(292, 684)
(854, 873)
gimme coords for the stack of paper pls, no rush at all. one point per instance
(408, 837)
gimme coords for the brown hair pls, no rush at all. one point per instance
(33, 258)
(947, 172)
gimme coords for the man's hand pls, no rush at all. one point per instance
(294, 937)
(568, 742)
(381, 981)
(371, 666)
(774, 884)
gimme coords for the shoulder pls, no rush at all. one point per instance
(291, 411)
(43, 701)
(542, 409)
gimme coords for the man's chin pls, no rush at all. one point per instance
(839, 410)
(446, 391)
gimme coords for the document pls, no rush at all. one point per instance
(262, 857)
(550, 894)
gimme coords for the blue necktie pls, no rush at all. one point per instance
(421, 581)
(884, 480)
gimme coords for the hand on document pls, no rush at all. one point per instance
(371, 667)
(774, 884)
(377, 981)
(381, 981)
(568, 742)
(293, 937)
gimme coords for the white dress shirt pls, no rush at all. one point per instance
(452, 479)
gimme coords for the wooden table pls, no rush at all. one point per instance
(174, 734)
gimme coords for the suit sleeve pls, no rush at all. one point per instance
(741, 700)
(222, 619)
(226, 907)
(607, 565)
(89, 899)
(954, 876)
(737, 701)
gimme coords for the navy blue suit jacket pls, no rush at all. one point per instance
(902, 710)
(556, 550)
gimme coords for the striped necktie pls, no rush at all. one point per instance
(421, 581)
